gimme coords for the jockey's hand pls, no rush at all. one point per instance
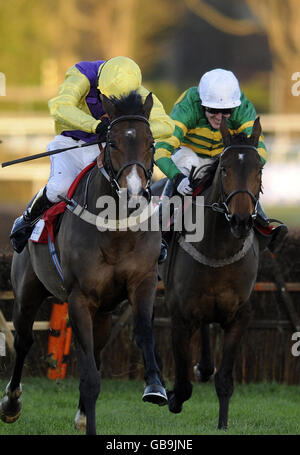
(101, 129)
(182, 184)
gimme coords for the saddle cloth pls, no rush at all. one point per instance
(46, 225)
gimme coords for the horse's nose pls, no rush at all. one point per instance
(134, 183)
(241, 225)
(135, 194)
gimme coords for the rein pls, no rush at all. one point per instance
(107, 162)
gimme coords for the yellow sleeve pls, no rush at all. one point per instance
(162, 126)
(67, 107)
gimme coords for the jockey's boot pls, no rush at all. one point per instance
(167, 191)
(269, 236)
(23, 225)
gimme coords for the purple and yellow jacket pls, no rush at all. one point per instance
(77, 109)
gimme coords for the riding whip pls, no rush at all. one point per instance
(52, 152)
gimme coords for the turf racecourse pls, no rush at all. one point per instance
(256, 409)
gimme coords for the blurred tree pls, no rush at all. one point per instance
(21, 47)
(280, 20)
(33, 33)
(135, 28)
(30, 32)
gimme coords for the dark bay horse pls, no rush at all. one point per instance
(100, 269)
(211, 281)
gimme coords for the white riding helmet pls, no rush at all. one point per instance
(219, 89)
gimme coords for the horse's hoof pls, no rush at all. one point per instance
(223, 427)
(201, 377)
(80, 422)
(173, 404)
(156, 394)
(10, 410)
(11, 404)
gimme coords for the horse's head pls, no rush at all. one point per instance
(128, 156)
(240, 174)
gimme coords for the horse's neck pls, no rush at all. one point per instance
(100, 186)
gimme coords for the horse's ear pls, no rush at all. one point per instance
(226, 136)
(108, 106)
(148, 104)
(256, 132)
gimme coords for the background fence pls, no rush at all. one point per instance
(25, 135)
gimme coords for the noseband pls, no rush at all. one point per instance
(222, 206)
(115, 176)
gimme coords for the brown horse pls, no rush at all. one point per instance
(100, 269)
(211, 281)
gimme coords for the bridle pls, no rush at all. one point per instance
(107, 162)
(222, 206)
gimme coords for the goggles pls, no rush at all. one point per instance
(212, 110)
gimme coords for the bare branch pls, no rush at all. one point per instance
(224, 23)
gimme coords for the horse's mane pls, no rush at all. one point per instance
(241, 138)
(128, 104)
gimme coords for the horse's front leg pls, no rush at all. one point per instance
(82, 325)
(205, 369)
(142, 297)
(223, 378)
(181, 337)
(102, 328)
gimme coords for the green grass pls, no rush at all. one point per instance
(256, 409)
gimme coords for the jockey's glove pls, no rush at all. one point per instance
(102, 128)
(182, 184)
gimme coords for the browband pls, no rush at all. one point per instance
(236, 146)
(128, 117)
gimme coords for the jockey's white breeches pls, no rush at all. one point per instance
(66, 166)
(185, 158)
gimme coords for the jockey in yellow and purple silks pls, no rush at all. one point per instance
(77, 111)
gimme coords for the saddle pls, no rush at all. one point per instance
(47, 227)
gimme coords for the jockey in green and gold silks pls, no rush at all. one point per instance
(193, 130)
(197, 115)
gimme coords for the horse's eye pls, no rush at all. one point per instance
(223, 170)
(112, 144)
(150, 144)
